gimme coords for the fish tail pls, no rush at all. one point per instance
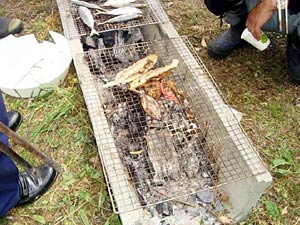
(93, 31)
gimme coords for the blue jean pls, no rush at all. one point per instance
(9, 174)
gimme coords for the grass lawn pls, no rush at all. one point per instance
(255, 83)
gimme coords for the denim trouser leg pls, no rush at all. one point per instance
(272, 24)
(9, 174)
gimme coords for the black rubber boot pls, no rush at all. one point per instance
(33, 185)
(10, 26)
(235, 13)
(224, 44)
(293, 56)
(14, 120)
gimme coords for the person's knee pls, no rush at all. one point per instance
(219, 7)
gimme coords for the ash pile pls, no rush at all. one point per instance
(159, 139)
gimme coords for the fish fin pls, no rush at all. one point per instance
(93, 31)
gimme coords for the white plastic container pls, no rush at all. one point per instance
(30, 68)
(261, 45)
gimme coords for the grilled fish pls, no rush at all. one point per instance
(122, 10)
(130, 73)
(87, 5)
(151, 106)
(122, 18)
(161, 71)
(118, 3)
(87, 18)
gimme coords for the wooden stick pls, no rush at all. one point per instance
(14, 156)
(18, 140)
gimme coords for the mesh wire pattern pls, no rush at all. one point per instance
(153, 13)
(199, 144)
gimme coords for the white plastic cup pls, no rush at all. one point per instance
(261, 45)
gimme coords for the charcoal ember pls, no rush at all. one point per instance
(164, 209)
(135, 35)
(189, 161)
(97, 61)
(207, 171)
(163, 157)
(205, 174)
(119, 115)
(100, 43)
(109, 38)
(118, 49)
(89, 42)
(218, 206)
(194, 212)
(205, 196)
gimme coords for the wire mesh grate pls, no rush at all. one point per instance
(153, 13)
(197, 145)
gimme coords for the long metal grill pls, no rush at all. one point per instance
(196, 146)
(153, 13)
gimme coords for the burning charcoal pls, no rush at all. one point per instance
(218, 206)
(164, 209)
(204, 174)
(120, 52)
(205, 196)
(109, 39)
(135, 35)
(194, 212)
(100, 43)
(158, 153)
(89, 42)
(189, 161)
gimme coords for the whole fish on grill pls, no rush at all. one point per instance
(118, 3)
(121, 11)
(122, 18)
(87, 5)
(87, 18)
(129, 74)
(150, 105)
(161, 71)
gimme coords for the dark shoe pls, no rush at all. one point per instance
(224, 44)
(14, 120)
(293, 57)
(32, 186)
(10, 26)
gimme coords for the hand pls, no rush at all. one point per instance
(258, 16)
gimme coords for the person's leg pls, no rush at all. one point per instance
(235, 13)
(10, 26)
(9, 174)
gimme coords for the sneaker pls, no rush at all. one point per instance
(32, 186)
(224, 44)
(10, 26)
(293, 57)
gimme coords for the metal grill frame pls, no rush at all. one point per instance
(232, 162)
(73, 26)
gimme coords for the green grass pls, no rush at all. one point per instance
(58, 124)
